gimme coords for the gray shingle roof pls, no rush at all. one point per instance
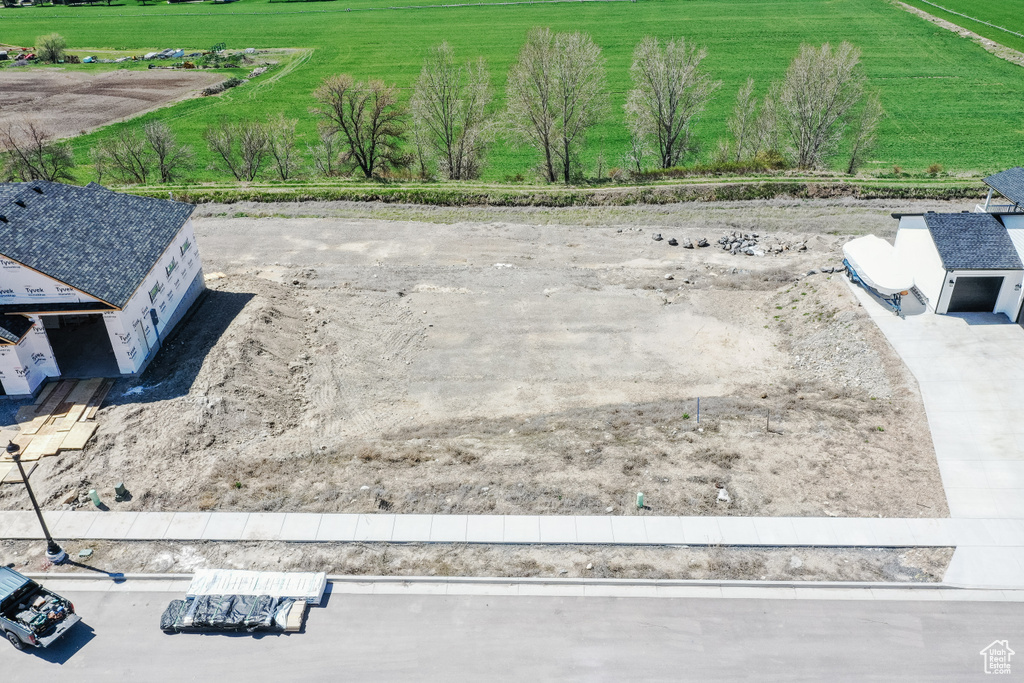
(8, 190)
(14, 327)
(101, 242)
(1009, 183)
(972, 241)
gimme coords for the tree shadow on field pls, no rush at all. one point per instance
(182, 353)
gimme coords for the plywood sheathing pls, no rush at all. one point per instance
(44, 393)
(60, 419)
(43, 444)
(78, 436)
(97, 400)
(56, 396)
(71, 419)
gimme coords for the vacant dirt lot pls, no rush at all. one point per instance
(508, 362)
(69, 103)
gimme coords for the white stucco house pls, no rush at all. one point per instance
(91, 281)
(970, 262)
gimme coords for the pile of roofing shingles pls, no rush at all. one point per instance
(62, 418)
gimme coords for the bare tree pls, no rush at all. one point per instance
(254, 146)
(423, 157)
(530, 94)
(746, 139)
(769, 136)
(33, 154)
(221, 140)
(51, 47)
(555, 94)
(670, 90)
(639, 150)
(242, 147)
(172, 159)
(282, 141)
(369, 120)
(326, 153)
(865, 132)
(821, 88)
(99, 163)
(127, 155)
(449, 110)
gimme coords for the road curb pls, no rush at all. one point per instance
(502, 580)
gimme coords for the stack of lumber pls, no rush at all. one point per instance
(62, 418)
(296, 615)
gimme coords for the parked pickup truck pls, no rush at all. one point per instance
(30, 614)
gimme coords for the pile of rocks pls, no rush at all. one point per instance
(751, 244)
(687, 244)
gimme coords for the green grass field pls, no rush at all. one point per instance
(1005, 13)
(948, 100)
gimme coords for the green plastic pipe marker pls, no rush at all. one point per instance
(95, 497)
(640, 500)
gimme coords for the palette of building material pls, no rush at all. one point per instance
(61, 419)
(305, 586)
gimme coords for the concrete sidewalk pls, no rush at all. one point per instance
(634, 530)
(990, 552)
(512, 529)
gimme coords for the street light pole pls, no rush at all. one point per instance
(54, 553)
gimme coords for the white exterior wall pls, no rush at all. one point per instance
(24, 366)
(131, 330)
(916, 248)
(21, 285)
(1015, 229)
(37, 347)
(13, 374)
(1009, 298)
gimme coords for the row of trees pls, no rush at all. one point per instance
(556, 93)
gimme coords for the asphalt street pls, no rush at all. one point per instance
(501, 638)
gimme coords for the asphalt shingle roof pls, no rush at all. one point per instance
(1009, 183)
(972, 241)
(100, 242)
(14, 327)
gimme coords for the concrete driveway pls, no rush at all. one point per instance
(970, 368)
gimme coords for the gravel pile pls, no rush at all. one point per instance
(751, 244)
(838, 354)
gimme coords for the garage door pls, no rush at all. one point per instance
(975, 294)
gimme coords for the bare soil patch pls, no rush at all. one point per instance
(70, 103)
(522, 366)
(915, 565)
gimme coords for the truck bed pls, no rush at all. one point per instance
(60, 630)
